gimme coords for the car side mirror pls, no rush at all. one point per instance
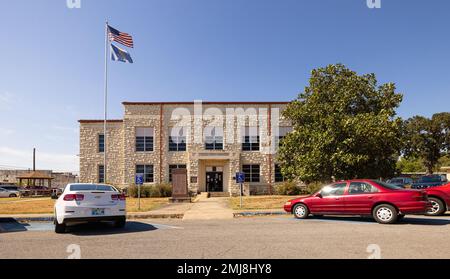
(319, 195)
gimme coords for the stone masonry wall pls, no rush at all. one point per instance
(123, 157)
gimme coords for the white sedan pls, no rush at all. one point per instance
(81, 203)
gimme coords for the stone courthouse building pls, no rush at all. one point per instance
(212, 140)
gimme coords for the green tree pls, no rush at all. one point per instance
(344, 127)
(410, 165)
(427, 139)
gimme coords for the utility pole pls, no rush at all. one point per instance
(34, 159)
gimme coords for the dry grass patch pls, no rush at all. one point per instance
(26, 206)
(260, 202)
(45, 205)
(147, 204)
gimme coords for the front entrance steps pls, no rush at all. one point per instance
(218, 195)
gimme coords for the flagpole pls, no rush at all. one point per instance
(105, 168)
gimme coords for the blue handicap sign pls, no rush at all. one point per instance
(139, 179)
(240, 177)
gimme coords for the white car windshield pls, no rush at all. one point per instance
(93, 187)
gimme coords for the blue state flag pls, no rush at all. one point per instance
(118, 54)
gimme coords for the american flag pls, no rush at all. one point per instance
(120, 37)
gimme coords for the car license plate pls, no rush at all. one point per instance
(98, 212)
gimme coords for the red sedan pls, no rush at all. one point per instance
(385, 202)
(440, 199)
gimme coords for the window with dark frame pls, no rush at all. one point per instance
(144, 139)
(214, 138)
(147, 171)
(282, 133)
(177, 141)
(101, 143)
(278, 174)
(101, 174)
(174, 167)
(252, 173)
(251, 139)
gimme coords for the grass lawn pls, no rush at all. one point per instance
(260, 202)
(146, 204)
(45, 205)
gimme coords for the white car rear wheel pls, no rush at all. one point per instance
(60, 228)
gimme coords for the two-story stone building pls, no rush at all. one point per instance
(212, 140)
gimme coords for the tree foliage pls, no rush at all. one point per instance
(410, 165)
(427, 139)
(345, 126)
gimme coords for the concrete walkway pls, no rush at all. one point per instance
(209, 209)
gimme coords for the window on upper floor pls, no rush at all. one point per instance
(101, 143)
(250, 139)
(282, 133)
(213, 138)
(144, 139)
(177, 139)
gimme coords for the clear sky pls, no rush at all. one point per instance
(51, 69)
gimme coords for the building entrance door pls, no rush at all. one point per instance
(214, 182)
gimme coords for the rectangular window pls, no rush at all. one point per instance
(213, 138)
(177, 139)
(147, 171)
(144, 139)
(250, 139)
(252, 173)
(101, 143)
(361, 188)
(101, 174)
(174, 167)
(278, 174)
(282, 133)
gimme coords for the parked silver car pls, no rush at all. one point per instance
(9, 193)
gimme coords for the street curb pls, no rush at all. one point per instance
(132, 216)
(258, 214)
(26, 219)
(156, 216)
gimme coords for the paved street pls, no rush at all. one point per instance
(261, 238)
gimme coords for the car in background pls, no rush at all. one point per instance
(80, 203)
(386, 203)
(4, 193)
(429, 181)
(402, 182)
(440, 200)
(11, 187)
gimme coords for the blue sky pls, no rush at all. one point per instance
(51, 71)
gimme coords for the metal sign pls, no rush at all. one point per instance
(240, 177)
(139, 179)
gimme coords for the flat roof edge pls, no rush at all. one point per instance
(205, 103)
(95, 121)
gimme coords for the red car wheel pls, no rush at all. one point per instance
(438, 207)
(385, 214)
(301, 211)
